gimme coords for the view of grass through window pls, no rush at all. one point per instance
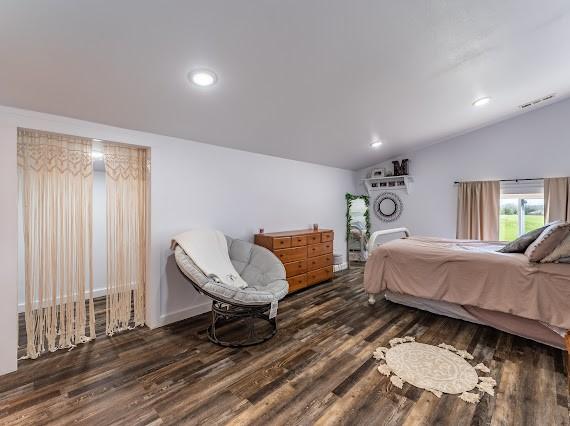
(513, 223)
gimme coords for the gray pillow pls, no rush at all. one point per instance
(564, 260)
(521, 243)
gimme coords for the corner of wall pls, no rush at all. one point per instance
(182, 314)
(8, 249)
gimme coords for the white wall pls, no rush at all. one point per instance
(192, 185)
(536, 144)
(99, 234)
(8, 252)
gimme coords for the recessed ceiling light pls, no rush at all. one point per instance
(97, 140)
(375, 144)
(202, 78)
(482, 101)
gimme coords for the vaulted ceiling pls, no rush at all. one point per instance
(312, 80)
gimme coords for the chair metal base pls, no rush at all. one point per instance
(227, 312)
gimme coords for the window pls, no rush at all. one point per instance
(522, 208)
(520, 214)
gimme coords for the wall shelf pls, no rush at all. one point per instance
(390, 183)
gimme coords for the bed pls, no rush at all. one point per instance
(470, 280)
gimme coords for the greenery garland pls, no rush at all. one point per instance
(349, 199)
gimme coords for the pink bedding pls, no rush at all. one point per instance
(471, 273)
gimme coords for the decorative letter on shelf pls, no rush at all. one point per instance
(400, 169)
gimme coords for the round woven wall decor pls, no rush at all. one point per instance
(388, 206)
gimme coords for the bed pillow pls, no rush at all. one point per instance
(562, 251)
(548, 240)
(564, 260)
(521, 243)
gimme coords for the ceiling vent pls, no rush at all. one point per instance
(536, 101)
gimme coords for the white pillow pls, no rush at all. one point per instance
(562, 250)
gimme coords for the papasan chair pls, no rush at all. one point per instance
(266, 285)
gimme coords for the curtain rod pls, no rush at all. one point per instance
(510, 180)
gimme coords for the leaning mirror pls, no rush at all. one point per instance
(357, 228)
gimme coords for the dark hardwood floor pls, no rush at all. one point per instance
(317, 370)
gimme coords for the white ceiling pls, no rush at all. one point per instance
(312, 80)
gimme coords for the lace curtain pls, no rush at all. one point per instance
(126, 171)
(56, 183)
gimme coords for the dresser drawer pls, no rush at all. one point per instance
(319, 275)
(320, 249)
(314, 238)
(291, 254)
(281, 243)
(327, 236)
(298, 240)
(297, 283)
(295, 268)
(319, 262)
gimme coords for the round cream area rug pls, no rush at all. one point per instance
(438, 369)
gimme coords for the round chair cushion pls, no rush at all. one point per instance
(261, 269)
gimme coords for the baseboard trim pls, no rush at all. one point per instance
(183, 314)
(98, 292)
(165, 319)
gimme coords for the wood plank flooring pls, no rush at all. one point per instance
(316, 370)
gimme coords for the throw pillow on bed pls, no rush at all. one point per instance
(521, 243)
(562, 251)
(548, 240)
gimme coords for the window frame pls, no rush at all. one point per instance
(521, 192)
(522, 200)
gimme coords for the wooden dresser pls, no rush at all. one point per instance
(307, 255)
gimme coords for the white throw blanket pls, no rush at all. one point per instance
(208, 249)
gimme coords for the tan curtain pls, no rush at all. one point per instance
(478, 210)
(56, 184)
(127, 177)
(556, 199)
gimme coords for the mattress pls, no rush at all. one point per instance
(471, 274)
(529, 329)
